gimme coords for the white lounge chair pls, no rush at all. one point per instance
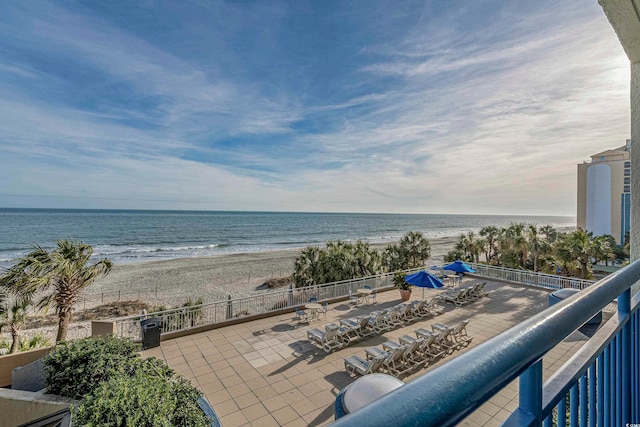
(357, 365)
(377, 322)
(328, 340)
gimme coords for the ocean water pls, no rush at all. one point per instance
(127, 236)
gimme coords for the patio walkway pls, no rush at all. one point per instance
(265, 372)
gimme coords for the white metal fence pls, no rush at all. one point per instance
(531, 278)
(215, 312)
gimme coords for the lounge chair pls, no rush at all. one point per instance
(478, 290)
(412, 356)
(328, 340)
(459, 333)
(429, 349)
(457, 298)
(357, 365)
(418, 309)
(395, 363)
(433, 308)
(444, 339)
(377, 322)
(406, 313)
(348, 334)
(360, 324)
(392, 317)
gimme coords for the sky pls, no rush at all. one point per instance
(477, 107)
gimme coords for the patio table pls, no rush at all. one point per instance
(313, 308)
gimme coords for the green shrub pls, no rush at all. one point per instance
(76, 368)
(141, 401)
(119, 388)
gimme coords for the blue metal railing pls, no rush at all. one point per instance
(602, 379)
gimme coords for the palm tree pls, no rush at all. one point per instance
(417, 249)
(306, 267)
(537, 246)
(470, 246)
(549, 233)
(368, 260)
(13, 314)
(393, 258)
(604, 249)
(578, 247)
(491, 234)
(65, 271)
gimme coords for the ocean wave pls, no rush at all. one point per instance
(114, 250)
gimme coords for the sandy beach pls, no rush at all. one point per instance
(212, 278)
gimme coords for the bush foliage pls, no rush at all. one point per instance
(74, 369)
(119, 388)
(141, 401)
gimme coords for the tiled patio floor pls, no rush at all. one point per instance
(265, 372)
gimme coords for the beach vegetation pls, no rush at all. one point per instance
(411, 252)
(61, 274)
(338, 261)
(530, 247)
(469, 247)
(416, 248)
(13, 315)
(37, 340)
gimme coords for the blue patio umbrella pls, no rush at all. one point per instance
(459, 267)
(423, 279)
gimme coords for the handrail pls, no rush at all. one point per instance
(446, 395)
(531, 278)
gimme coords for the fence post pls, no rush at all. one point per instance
(531, 392)
(118, 295)
(624, 310)
(102, 300)
(156, 291)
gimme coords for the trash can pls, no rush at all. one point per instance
(150, 329)
(562, 294)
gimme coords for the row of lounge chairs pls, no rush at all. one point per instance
(357, 328)
(464, 296)
(410, 353)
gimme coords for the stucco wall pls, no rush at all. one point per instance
(11, 361)
(19, 407)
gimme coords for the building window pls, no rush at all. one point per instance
(627, 189)
(627, 180)
(627, 164)
(627, 172)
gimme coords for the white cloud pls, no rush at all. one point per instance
(454, 123)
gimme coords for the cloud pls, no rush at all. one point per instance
(443, 111)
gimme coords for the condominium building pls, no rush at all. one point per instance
(604, 193)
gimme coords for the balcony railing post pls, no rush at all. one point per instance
(624, 309)
(531, 392)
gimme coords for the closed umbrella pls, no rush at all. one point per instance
(423, 279)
